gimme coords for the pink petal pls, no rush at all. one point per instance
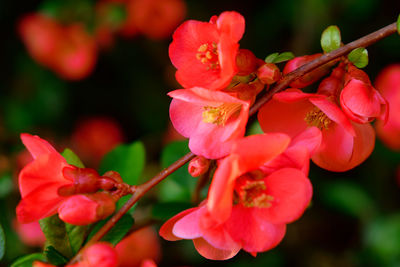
(212, 253)
(291, 191)
(166, 228)
(188, 226)
(254, 233)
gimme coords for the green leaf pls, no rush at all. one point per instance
(72, 158)
(254, 128)
(278, 58)
(6, 185)
(56, 235)
(76, 235)
(330, 39)
(164, 211)
(54, 257)
(398, 24)
(120, 229)
(2, 242)
(349, 198)
(180, 185)
(359, 57)
(27, 260)
(382, 237)
(127, 160)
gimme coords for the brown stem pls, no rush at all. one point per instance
(282, 84)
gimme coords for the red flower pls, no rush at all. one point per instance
(30, 233)
(49, 185)
(41, 36)
(360, 101)
(388, 83)
(156, 18)
(69, 51)
(247, 207)
(205, 52)
(94, 137)
(211, 120)
(344, 144)
(40, 180)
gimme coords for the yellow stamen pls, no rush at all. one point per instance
(220, 115)
(317, 118)
(208, 55)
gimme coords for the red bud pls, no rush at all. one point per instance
(268, 73)
(246, 62)
(198, 166)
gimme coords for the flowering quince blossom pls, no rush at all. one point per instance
(49, 185)
(205, 52)
(100, 254)
(344, 144)
(388, 83)
(359, 99)
(211, 120)
(248, 207)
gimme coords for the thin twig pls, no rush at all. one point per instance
(282, 84)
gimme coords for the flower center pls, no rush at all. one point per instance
(208, 55)
(317, 118)
(252, 193)
(220, 115)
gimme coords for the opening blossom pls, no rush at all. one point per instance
(50, 185)
(205, 52)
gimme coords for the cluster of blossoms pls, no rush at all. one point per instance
(260, 183)
(70, 48)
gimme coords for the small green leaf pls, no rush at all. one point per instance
(2, 242)
(180, 185)
(127, 160)
(271, 58)
(330, 39)
(398, 24)
(76, 235)
(54, 257)
(359, 57)
(72, 158)
(278, 58)
(27, 260)
(120, 229)
(56, 235)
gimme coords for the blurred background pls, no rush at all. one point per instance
(116, 93)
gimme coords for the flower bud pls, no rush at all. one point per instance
(100, 254)
(198, 166)
(310, 77)
(86, 180)
(42, 264)
(86, 209)
(268, 73)
(246, 62)
(330, 86)
(362, 103)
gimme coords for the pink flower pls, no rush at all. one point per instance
(205, 52)
(211, 120)
(247, 208)
(344, 144)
